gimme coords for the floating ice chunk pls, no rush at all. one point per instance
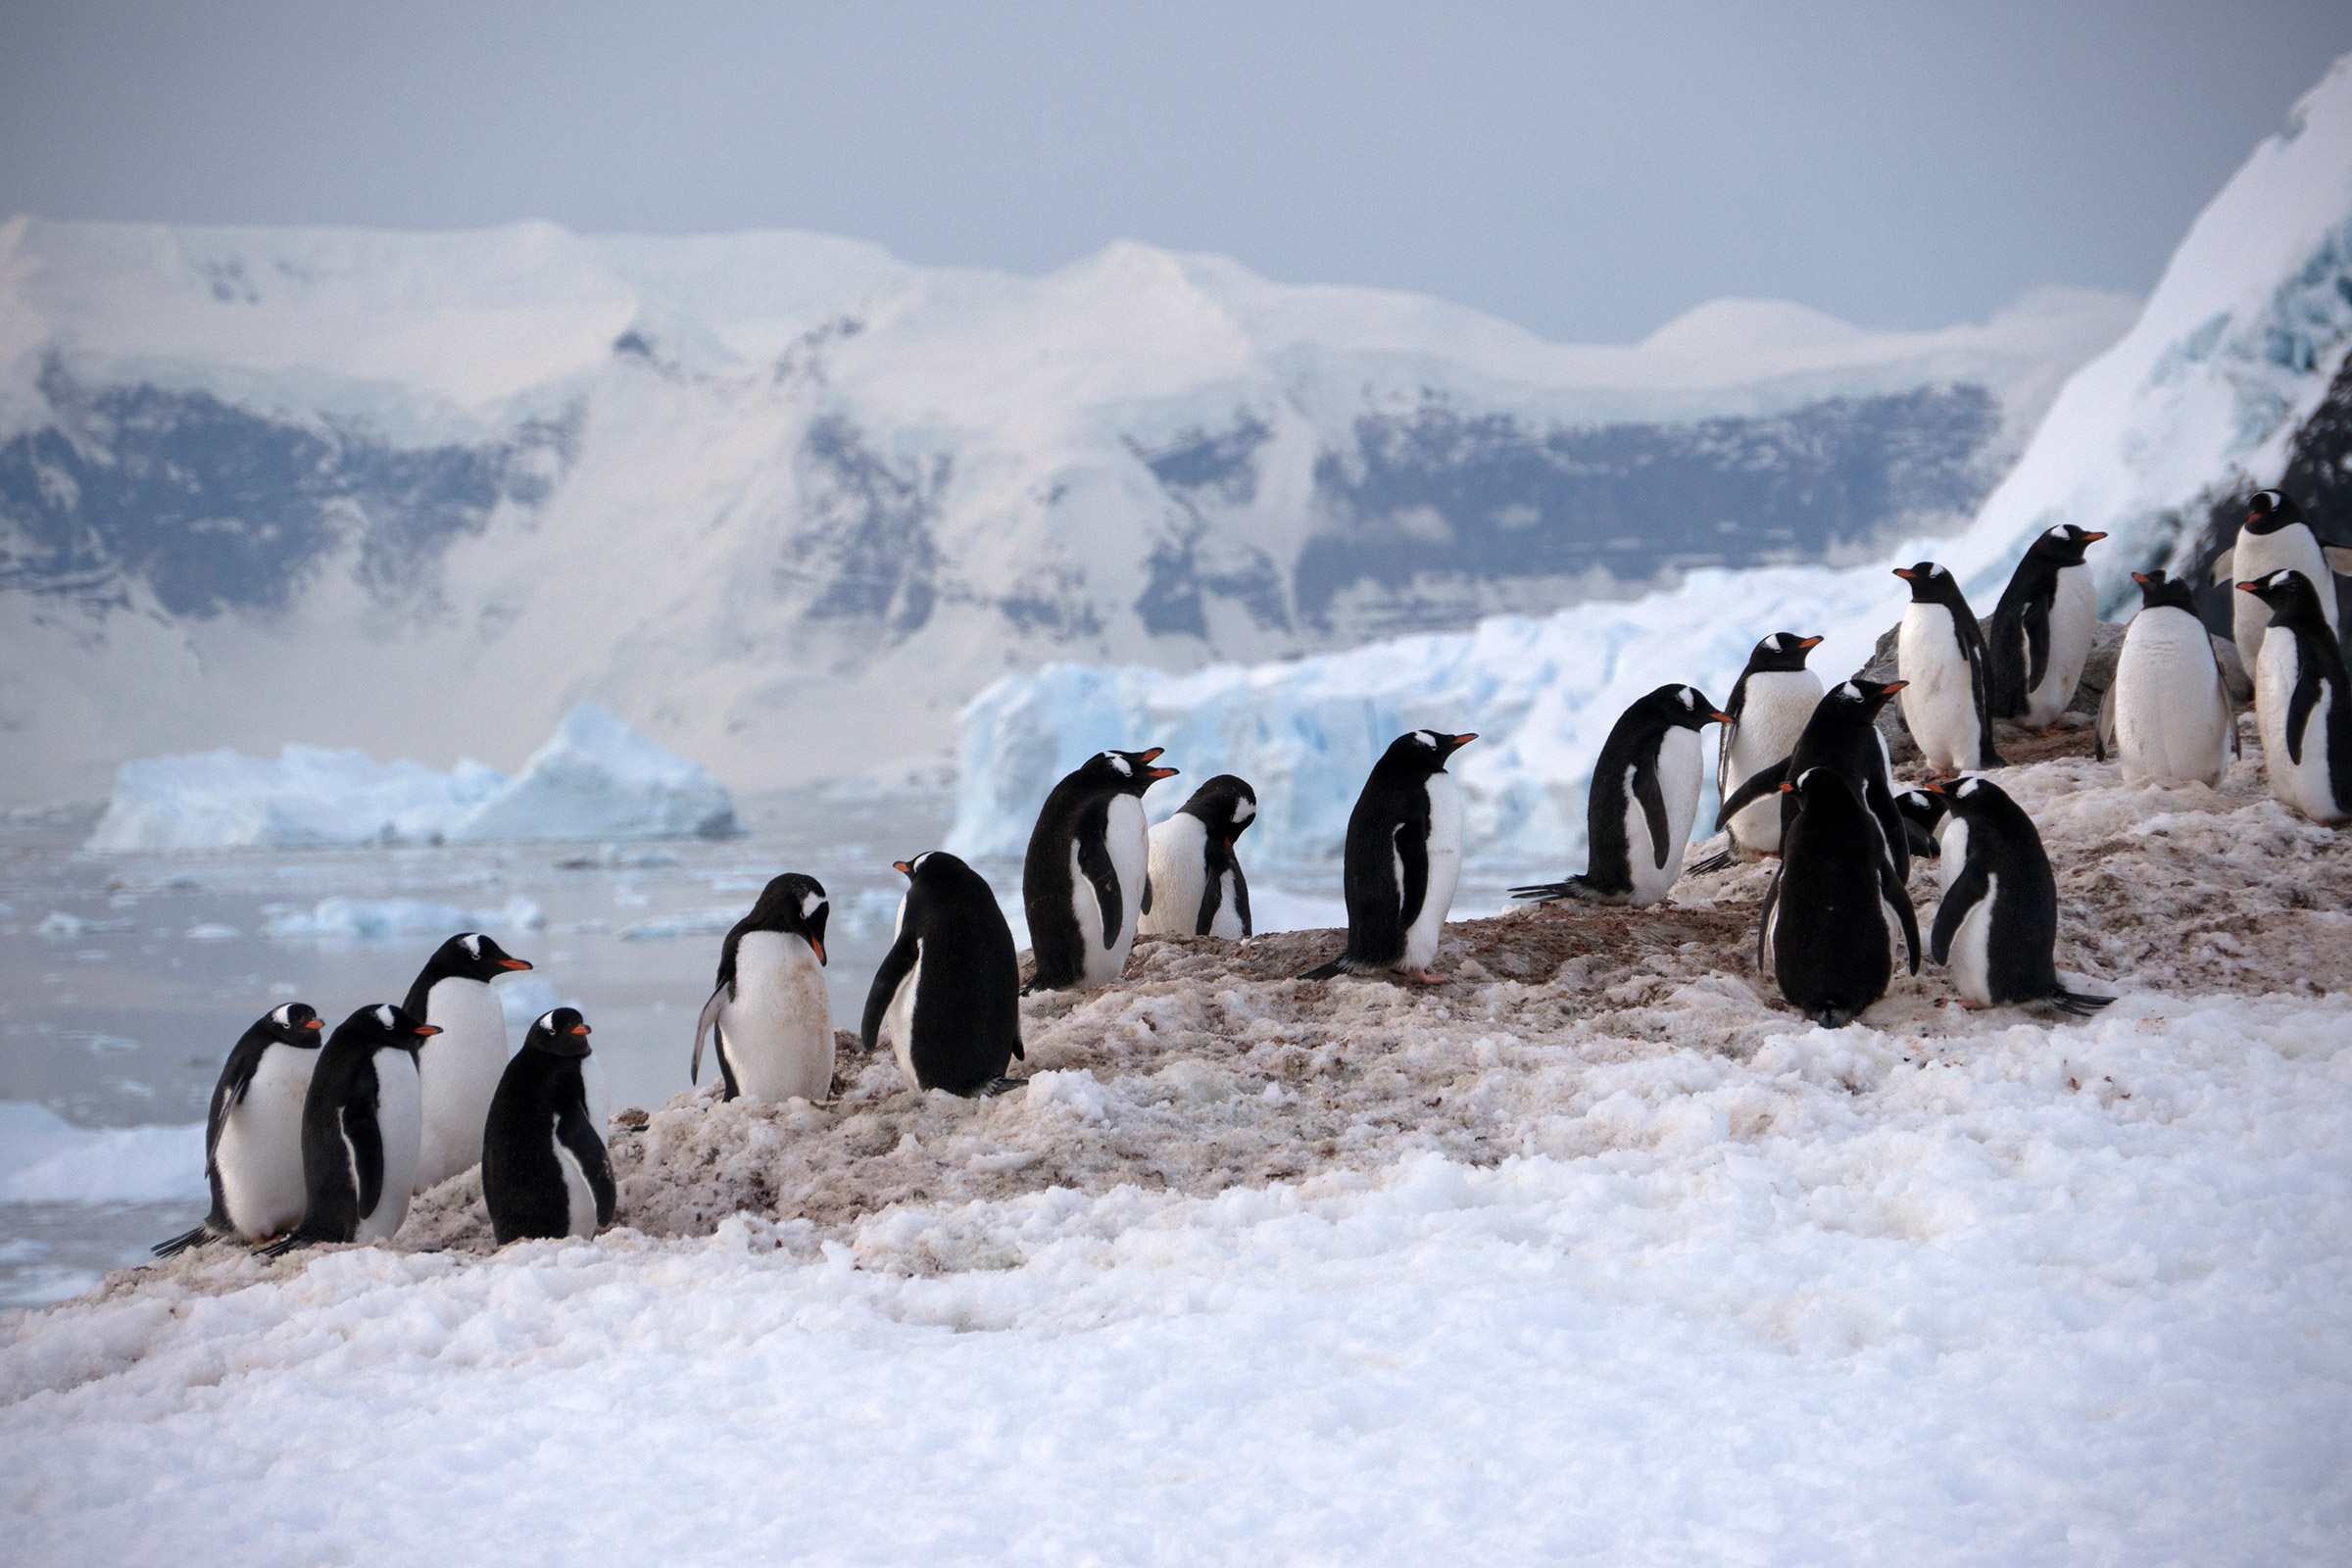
(62, 924)
(212, 931)
(362, 919)
(614, 857)
(597, 778)
(44, 1160)
(309, 797)
(714, 921)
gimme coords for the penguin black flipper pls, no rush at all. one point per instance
(1755, 787)
(719, 997)
(1772, 897)
(2037, 626)
(1412, 853)
(1144, 905)
(1093, 863)
(1891, 889)
(1216, 861)
(1892, 830)
(363, 1137)
(1240, 898)
(1967, 891)
(2102, 734)
(2298, 713)
(896, 964)
(574, 1133)
(1651, 798)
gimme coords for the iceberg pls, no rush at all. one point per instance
(597, 778)
(366, 918)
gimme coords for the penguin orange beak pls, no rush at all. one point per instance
(580, 1029)
(1933, 789)
(902, 867)
(2092, 538)
(1787, 789)
(2140, 577)
(512, 963)
(316, 1023)
(1896, 685)
(1161, 772)
(818, 944)
(1905, 573)
(1725, 719)
(1152, 755)
(428, 1029)
(2249, 587)
(1808, 642)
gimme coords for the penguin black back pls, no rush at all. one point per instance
(2022, 636)
(1386, 875)
(964, 1027)
(1826, 937)
(545, 1168)
(1077, 819)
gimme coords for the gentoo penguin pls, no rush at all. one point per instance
(1999, 917)
(460, 1069)
(1948, 687)
(1644, 794)
(2303, 698)
(1835, 908)
(1922, 817)
(545, 1170)
(1774, 697)
(1194, 886)
(2042, 628)
(253, 1135)
(2168, 713)
(1083, 882)
(770, 1008)
(360, 1126)
(949, 989)
(1403, 856)
(2275, 537)
(1842, 734)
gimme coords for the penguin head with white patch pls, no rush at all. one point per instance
(1970, 798)
(1927, 808)
(1226, 807)
(1677, 708)
(2063, 546)
(1859, 700)
(1422, 752)
(472, 956)
(381, 1026)
(931, 864)
(1782, 651)
(2160, 592)
(560, 1033)
(295, 1024)
(1123, 772)
(795, 905)
(2290, 596)
(1818, 786)
(1930, 584)
(2270, 511)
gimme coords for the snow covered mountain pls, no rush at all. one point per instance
(783, 501)
(2235, 376)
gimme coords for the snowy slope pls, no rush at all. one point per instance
(2221, 386)
(783, 503)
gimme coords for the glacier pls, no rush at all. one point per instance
(594, 778)
(2232, 376)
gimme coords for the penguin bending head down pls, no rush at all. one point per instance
(253, 1134)
(769, 1009)
(949, 990)
(2168, 711)
(1998, 923)
(1643, 796)
(1404, 857)
(2275, 537)
(2303, 698)
(1083, 881)
(2042, 628)
(360, 1126)
(1940, 655)
(1194, 886)
(460, 1069)
(1834, 911)
(545, 1169)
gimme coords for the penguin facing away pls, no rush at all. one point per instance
(1835, 909)
(2303, 700)
(2275, 537)
(948, 993)
(460, 1069)
(1082, 883)
(769, 1009)
(1194, 886)
(2168, 713)
(2042, 628)
(1842, 734)
(1998, 923)
(545, 1169)
(1940, 655)
(1774, 697)
(360, 1126)
(253, 1134)
(1404, 857)
(1643, 796)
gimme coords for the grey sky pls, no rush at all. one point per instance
(1589, 172)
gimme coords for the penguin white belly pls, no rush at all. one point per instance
(2304, 786)
(598, 1097)
(1179, 870)
(898, 1020)
(460, 1069)
(2074, 608)
(2171, 725)
(1951, 850)
(1772, 716)
(1444, 870)
(1939, 698)
(2256, 555)
(778, 1030)
(1972, 948)
(1228, 921)
(579, 1199)
(1130, 847)
(1679, 766)
(399, 1119)
(260, 1152)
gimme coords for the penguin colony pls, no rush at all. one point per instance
(318, 1137)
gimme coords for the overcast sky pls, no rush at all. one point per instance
(1589, 172)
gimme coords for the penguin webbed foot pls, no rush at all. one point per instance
(1427, 977)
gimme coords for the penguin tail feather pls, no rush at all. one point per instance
(1717, 861)
(1336, 967)
(282, 1246)
(182, 1241)
(2078, 1003)
(1576, 887)
(1833, 1017)
(998, 1086)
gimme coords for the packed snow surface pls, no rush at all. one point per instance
(596, 778)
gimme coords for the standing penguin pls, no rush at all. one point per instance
(1923, 822)
(949, 989)
(1835, 909)
(253, 1136)
(1194, 886)
(2275, 537)
(460, 1069)
(360, 1126)
(2042, 628)
(545, 1168)
(1083, 881)
(770, 1008)
(1774, 697)
(1643, 795)
(1403, 856)
(1842, 734)
(2303, 698)
(1998, 920)
(1947, 685)
(2168, 713)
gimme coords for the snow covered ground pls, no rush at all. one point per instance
(1592, 1254)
